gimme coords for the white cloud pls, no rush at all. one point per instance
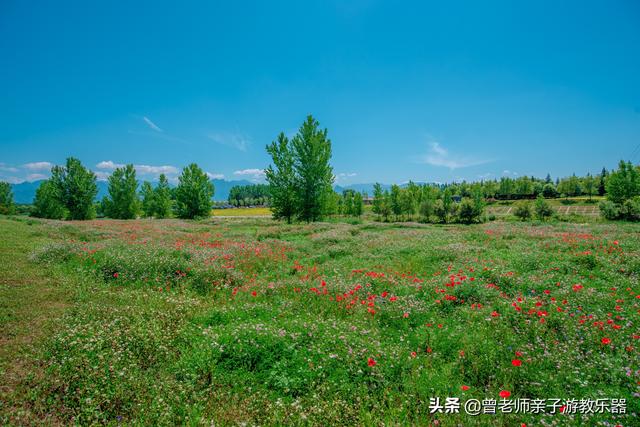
(38, 166)
(156, 170)
(255, 175)
(6, 168)
(345, 176)
(11, 179)
(215, 175)
(507, 172)
(35, 177)
(439, 156)
(102, 176)
(141, 169)
(258, 172)
(152, 125)
(236, 140)
(109, 165)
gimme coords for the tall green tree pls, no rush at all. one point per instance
(623, 184)
(122, 201)
(358, 204)
(6, 198)
(394, 198)
(162, 198)
(194, 193)
(148, 196)
(282, 179)
(46, 204)
(378, 198)
(589, 185)
(75, 188)
(602, 179)
(314, 176)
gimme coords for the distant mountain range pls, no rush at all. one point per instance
(25, 192)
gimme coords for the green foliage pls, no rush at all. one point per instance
(122, 201)
(194, 193)
(162, 198)
(253, 194)
(282, 179)
(549, 191)
(301, 178)
(7, 206)
(75, 188)
(148, 199)
(623, 184)
(630, 209)
(522, 210)
(311, 151)
(46, 203)
(381, 202)
(542, 208)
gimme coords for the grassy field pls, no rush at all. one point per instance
(241, 212)
(247, 321)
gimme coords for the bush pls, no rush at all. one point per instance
(470, 212)
(630, 209)
(523, 210)
(609, 210)
(543, 209)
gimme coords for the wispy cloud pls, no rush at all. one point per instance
(507, 172)
(152, 125)
(38, 166)
(156, 170)
(35, 177)
(440, 156)
(236, 140)
(215, 175)
(109, 165)
(102, 176)
(141, 169)
(7, 168)
(254, 174)
(343, 176)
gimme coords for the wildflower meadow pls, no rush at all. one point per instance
(229, 321)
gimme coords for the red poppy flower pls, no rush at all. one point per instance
(414, 354)
(115, 275)
(605, 341)
(465, 387)
(504, 394)
(495, 314)
(254, 293)
(371, 362)
(516, 362)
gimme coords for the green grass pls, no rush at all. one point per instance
(247, 320)
(241, 212)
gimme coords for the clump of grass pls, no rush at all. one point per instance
(55, 253)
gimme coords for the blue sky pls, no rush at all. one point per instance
(428, 91)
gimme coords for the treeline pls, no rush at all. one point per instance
(428, 203)
(249, 195)
(71, 191)
(526, 187)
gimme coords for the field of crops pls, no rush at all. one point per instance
(249, 321)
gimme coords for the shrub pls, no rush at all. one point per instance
(630, 209)
(543, 209)
(609, 210)
(523, 210)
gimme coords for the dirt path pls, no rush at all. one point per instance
(30, 302)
